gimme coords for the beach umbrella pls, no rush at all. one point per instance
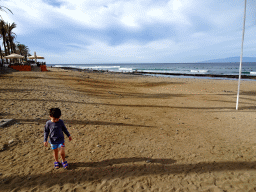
(37, 57)
(14, 56)
(241, 58)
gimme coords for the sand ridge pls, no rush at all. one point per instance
(130, 133)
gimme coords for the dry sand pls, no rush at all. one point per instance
(130, 133)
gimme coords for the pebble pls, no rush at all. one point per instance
(148, 161)
(193, 155)
(11, 141)
(98, 145)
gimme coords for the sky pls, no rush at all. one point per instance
(133, 31)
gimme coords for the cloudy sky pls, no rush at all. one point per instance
(133, 31)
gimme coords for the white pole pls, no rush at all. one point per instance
(241, 58)
(35, 56)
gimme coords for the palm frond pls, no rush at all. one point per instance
(1, 9)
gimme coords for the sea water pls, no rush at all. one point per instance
(174, 68)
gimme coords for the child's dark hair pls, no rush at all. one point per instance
(55, 112)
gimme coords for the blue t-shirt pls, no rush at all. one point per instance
(55, 131)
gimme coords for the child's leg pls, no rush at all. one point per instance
(62, 153)
(56, 155)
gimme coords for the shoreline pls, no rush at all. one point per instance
(173, 75)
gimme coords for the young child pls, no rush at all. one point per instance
(54, 128)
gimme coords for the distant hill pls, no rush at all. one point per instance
(230, 60)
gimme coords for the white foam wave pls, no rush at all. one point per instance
(125, 69)
(58, 66)
(102, 67)
(199, 71)
(70, 66)
(160, 71)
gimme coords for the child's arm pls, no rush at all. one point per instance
(46, 134)
(64, 129)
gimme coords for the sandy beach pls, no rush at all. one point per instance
(130, 133)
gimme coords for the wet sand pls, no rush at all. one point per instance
(130, 133)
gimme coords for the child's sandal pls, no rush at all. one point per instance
(65, 164)
(56, 165)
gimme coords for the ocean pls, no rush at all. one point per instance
(172, 69)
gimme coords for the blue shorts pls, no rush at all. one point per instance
(55, 146)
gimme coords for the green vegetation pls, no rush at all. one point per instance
(8, 36)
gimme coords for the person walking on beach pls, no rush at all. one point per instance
(54, 128)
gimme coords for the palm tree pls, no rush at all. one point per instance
(23, 50)
(1, 55)
(3, 8)
(10, 37)
(3, 33)
(12, 44)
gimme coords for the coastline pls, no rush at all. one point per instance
(233, 77)
(130, 132)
